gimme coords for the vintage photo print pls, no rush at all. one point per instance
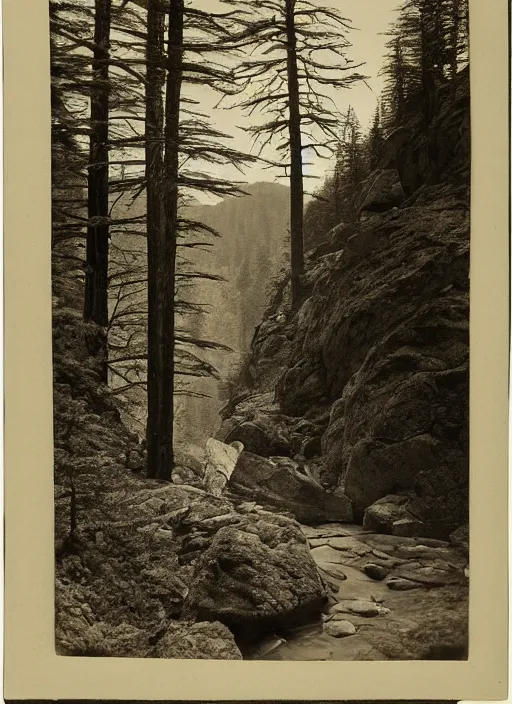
(261, 328)
(262, 245)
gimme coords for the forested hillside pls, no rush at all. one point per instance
(231, 295)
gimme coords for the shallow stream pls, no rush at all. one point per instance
(389, 598)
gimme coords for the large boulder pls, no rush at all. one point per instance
(390, 515)
(384, 192)
(283, 483)
(256, 575)
(262, 436)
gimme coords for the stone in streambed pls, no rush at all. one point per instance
(279, 482)
(430, 576)
(398, 584)
(360, 607)
(339, 629)
(256, 580)
(407, 527)
(374, 571)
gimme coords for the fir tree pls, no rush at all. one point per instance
(286, 78)
(375, 142)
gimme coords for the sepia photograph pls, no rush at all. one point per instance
(260, 323)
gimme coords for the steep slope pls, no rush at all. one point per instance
(368, 382)
(152, 569)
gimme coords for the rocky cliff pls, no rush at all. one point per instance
(365, 389)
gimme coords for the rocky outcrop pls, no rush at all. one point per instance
(377, 355)
(383, 191)
(391, 515)
(198, 641)
(261, 436)
(380, 350)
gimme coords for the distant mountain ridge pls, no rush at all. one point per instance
(249, 254)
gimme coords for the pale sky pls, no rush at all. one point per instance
(369, 18)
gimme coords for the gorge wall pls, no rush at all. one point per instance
(365, 387)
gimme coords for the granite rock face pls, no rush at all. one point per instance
(378, 353)
(383, 192)
(198, 641)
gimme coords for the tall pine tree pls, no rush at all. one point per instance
(297, 50)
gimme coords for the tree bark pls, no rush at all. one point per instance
(97, 245)
(162, 315)
(296, 175)
(155, 77)
(167, 284)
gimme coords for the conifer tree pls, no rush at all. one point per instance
(351, 165)
(195, 40)
(96, 265)
(375, 142)
(297, 51)
(397, 81)
(428, 44)
(155, 77)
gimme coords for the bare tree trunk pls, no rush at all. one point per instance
(155, 77)
(161, 435)
(96, 278)
(168, 282)
(296, 175)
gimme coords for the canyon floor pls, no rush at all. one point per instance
(416, 585)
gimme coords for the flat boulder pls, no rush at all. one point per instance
(339, 629)
(396, 515)
(387, 512)
(282, 483)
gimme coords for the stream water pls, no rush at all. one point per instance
(389, 598)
